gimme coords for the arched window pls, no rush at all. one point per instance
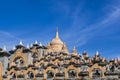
(71, 73)
(19, 62)
(112, 68)
(50, 74)
(30, 75)
(41, 67)
(96, 73)
(48, 59)
(12, 75)
(35, 55)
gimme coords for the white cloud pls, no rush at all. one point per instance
(80, 36)
(7, 39)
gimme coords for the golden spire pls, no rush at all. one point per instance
(56, 44)
(57, 36)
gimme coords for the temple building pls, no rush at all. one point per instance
(54, 61)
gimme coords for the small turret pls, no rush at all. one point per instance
(4, 49)
(13, 48)
(36, 43)
(3, 52)
(20, 45)
(64, 48)
(27, 46)
(40, 44)
(103, 59)
(74, 51)
(85, 54)
(97, 53)
(115, 61)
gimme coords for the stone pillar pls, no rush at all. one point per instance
(66, 74)
(0, 71)
(77, 73)
(45, 77)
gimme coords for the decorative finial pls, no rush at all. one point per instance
(36, 42)
(28, 46)
(103, 59)
(118, 58)
(57, 36)
(13, 48)
(4, 48)
(97, 53)
(84, 51)
(40, 44)
(64, 48)
(20, 42)
(74, 50)
(64, 45)
(31, 45)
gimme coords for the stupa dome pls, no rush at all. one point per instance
(56, 44)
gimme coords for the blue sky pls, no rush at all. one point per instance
(91, 25)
